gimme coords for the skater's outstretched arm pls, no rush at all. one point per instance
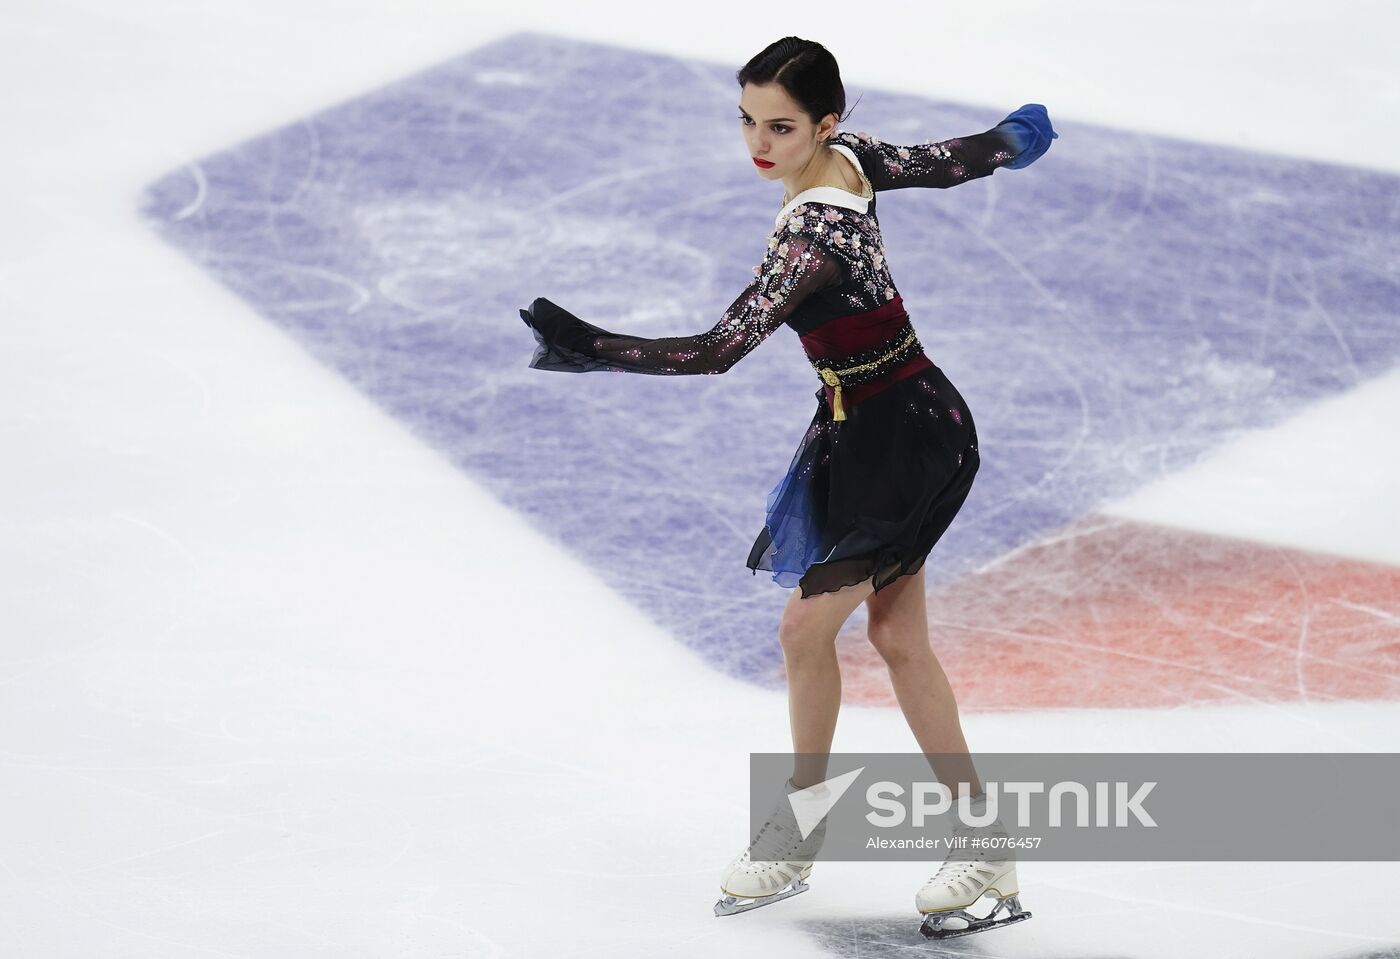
(1015, 142)
(798, 263)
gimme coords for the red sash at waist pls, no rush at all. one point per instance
(855, 333)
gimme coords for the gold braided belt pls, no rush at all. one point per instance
(906, 345)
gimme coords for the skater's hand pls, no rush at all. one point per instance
(1030, 133)
(564, 342)
(555, 326)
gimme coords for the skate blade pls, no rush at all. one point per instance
(733, 905)
(933, 927)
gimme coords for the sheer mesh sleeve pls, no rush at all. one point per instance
(942, 164)
(798, 263)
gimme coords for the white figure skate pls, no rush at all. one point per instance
(775, 865)
(969, 873)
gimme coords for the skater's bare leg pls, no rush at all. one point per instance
(898, 629)
(808, 637)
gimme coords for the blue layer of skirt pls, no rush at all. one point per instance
(869, 496)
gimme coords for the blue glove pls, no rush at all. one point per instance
(1030, 133)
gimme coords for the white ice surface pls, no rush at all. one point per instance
(273, 678)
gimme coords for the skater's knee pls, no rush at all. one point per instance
(810, 624)
(897, 621)
(897, 643)
(805, 636)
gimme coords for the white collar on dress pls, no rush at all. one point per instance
(832, 194)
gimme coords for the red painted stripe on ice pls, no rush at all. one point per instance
(1116, 613)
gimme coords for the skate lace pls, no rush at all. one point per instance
(785, 844)
(964, 860)
(786, 841)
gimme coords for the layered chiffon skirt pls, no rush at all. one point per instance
(870, 495)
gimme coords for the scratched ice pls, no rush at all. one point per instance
(1108, 324)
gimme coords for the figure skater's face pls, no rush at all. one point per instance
(778, 131)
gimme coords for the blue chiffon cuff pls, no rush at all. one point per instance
(1029, 132)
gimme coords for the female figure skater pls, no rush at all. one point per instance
(886, 462)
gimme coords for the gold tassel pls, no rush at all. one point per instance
(829, 377)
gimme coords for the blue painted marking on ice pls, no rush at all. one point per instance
(1110, 313)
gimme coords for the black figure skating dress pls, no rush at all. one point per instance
(891, 450)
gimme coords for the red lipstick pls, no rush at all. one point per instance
(763, 163)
